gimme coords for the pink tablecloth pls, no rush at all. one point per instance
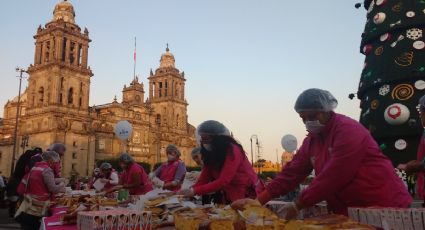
(55, 218)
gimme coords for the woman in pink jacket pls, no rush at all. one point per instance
(133, 177)
(350, 169)
(226, 169)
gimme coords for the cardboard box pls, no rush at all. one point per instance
(353, 213)
(363, 216)
(114, 220)
(398, 219)
(407, 219)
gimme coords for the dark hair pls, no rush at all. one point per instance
(220, 147)
(23, 162)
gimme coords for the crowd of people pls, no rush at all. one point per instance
(350, 170)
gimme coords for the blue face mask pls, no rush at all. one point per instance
(314, 126)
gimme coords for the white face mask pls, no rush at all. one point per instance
(313, 126)
(207, 147)
(171, 157)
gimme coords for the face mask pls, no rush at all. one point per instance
(207, 147)
(313, 126)
(171, 157)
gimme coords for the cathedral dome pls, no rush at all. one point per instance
(167, 59)
(64, 11)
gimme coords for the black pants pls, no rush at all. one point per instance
(2, 191)
(12, 208)
(29, 222)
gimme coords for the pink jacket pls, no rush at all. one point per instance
(145, 184)
(421, 176)
(236, 178)
(168, 171)
(350, 170)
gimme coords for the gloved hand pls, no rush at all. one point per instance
(243, 203)
(193, 176)
(157, 182)
(151, 175)
(186, 192)
(289, 211)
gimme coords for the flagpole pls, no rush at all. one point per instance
(134, 70)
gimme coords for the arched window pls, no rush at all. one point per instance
(158, 119)
(177, 120)
(176, 94)
(41, 94)
(137, 98)
(70, 96)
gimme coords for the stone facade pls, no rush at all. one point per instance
(55, 105)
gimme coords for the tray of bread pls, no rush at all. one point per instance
(216, 217)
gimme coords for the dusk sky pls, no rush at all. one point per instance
(245, 61)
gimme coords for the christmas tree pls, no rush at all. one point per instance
(393, 76)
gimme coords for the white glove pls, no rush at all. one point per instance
(186, 192)
(193, 176)
(157, 182)
(151, 175)
(289, 211)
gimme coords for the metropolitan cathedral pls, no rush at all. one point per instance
(55, 105)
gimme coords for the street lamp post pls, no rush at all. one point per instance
(252, 153)
(259, 165)
(24, 143)
(20, 71)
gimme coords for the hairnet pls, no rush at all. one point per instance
(50, 155)
(173, 148)
(422, 102)
(57, 147)
(315, 100)
(211, 127)
(105, 166)
(126, 158)
(195, 151)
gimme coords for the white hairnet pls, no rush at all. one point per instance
(105, 166)
(173, 148)
(57, 147)
(126, 158)
(50, 155)
(315, 100)
(211, 127)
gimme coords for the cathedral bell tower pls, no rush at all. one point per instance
(60, 75)
(166, 93)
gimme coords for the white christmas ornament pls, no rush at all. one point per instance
(414, 33)
(384, 90)
(396, 114)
